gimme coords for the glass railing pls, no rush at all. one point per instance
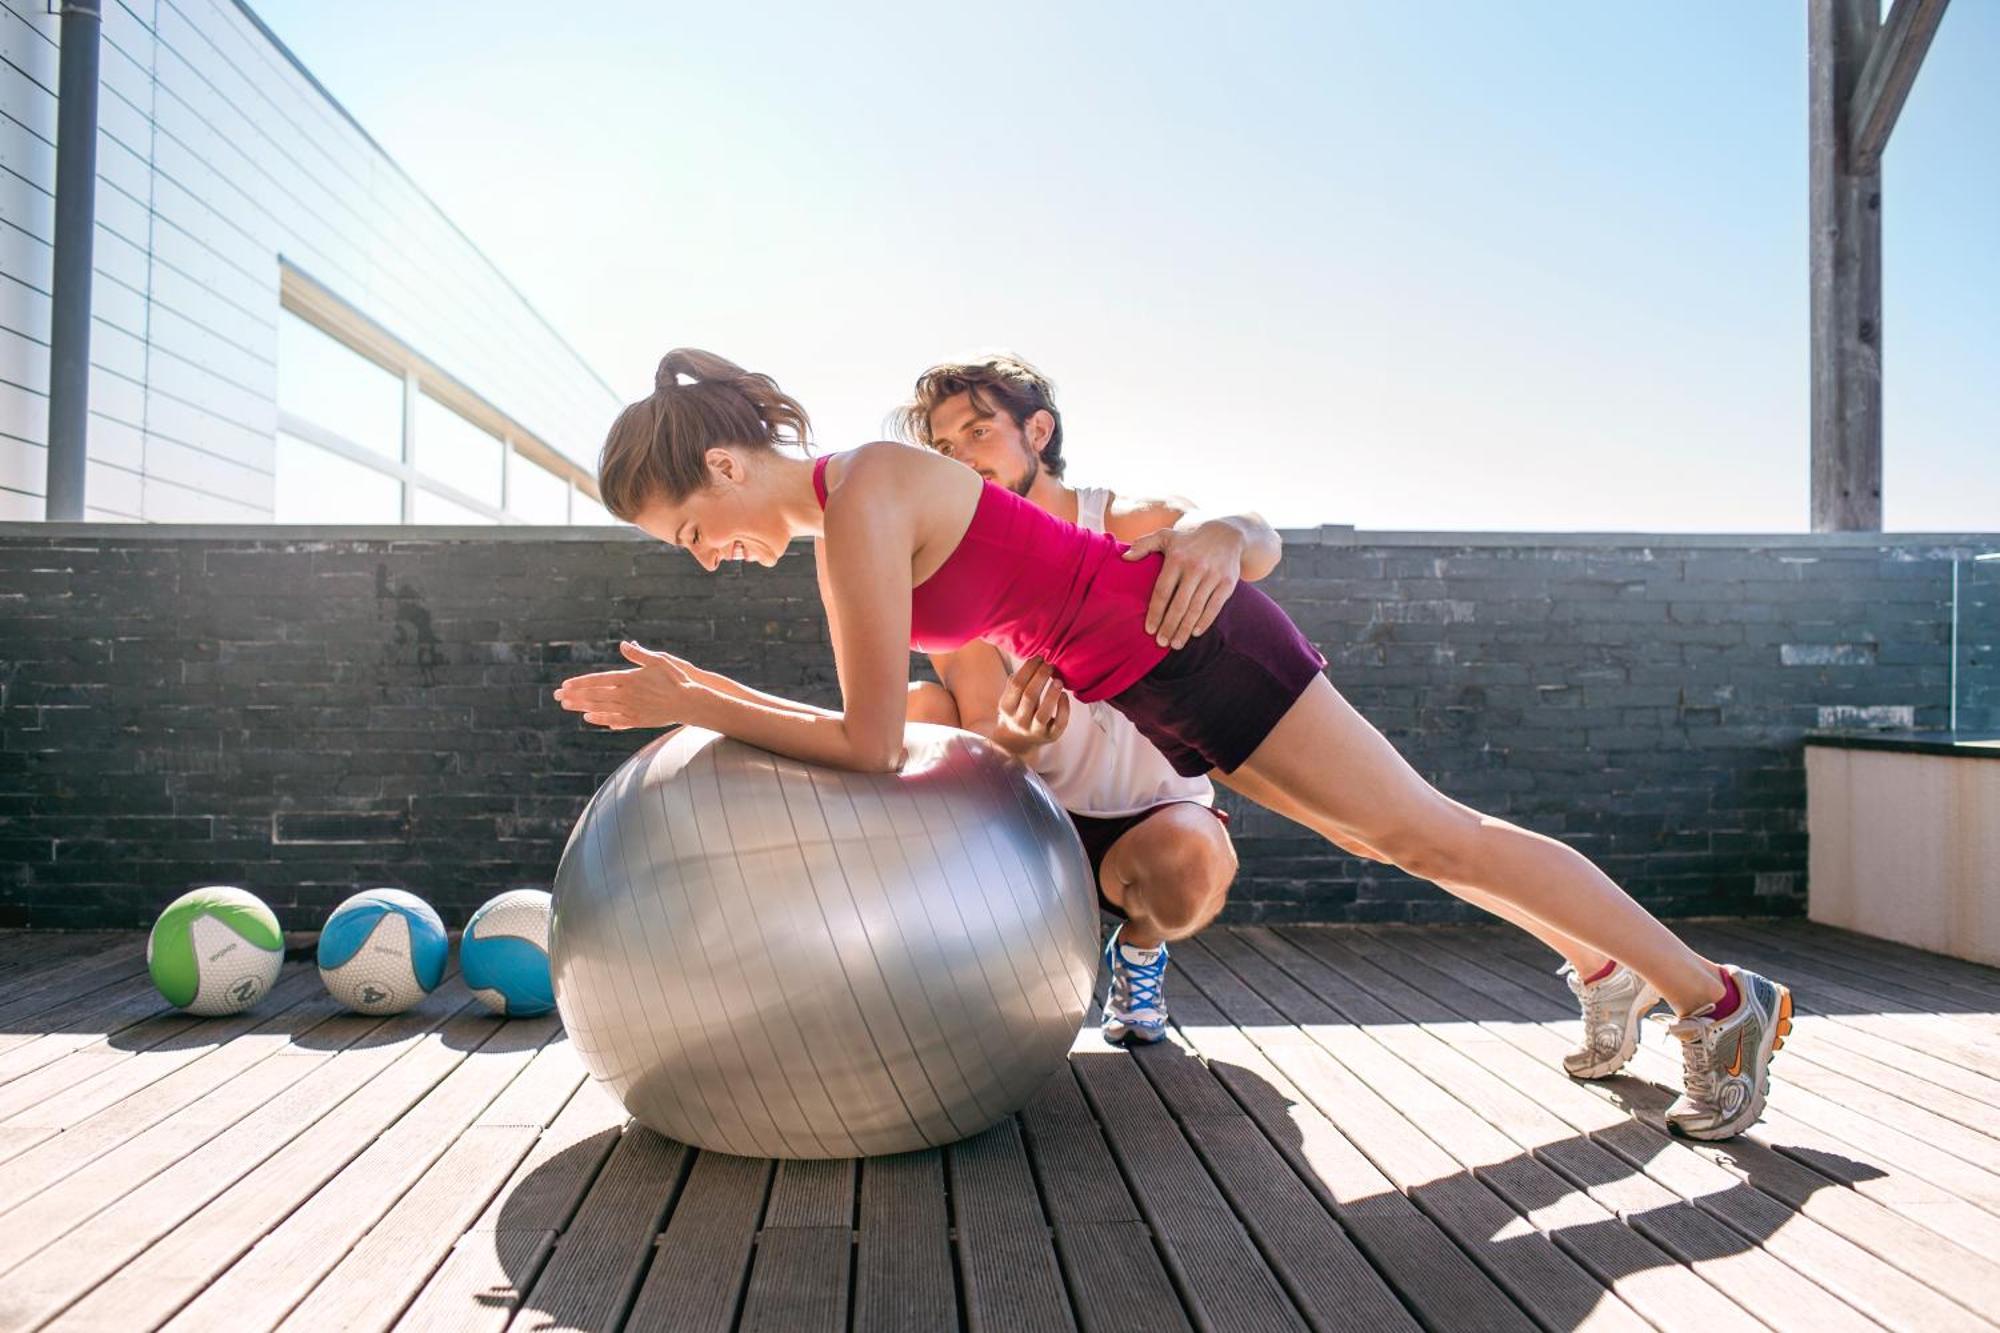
(1975, 643)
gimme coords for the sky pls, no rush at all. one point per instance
(1409, 266)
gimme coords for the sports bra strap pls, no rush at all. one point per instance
(819, 477)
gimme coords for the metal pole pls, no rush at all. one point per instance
(76, 222)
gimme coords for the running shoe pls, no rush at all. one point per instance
(1612, 1010)
(1135, 1007)
(1727, 1061)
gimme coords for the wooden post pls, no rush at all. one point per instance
(1846, 278)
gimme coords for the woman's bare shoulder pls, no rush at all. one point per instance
(886, 470)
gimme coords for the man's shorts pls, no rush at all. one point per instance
(1100, 831)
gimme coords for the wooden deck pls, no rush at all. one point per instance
(1356, 1128)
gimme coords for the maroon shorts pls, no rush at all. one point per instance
(1100, 831)
(1210, 704)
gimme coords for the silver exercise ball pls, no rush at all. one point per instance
(764, 957)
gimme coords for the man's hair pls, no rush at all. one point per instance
(1000, 383)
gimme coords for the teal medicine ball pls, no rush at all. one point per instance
(504, 954)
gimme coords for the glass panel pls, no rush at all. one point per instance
(430, 507)
(338, 389)
(586, 512)
(314, 486)
(457, 452)
(538, 495)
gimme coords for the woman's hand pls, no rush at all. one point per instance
(1202, 567)
(1033, 709)
(656, 692)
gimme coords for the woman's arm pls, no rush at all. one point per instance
(736, 689)
(865, 581)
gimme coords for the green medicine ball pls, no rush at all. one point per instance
(215, 951)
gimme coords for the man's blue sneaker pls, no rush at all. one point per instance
(1135, 1009)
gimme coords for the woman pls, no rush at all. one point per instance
(916, 551)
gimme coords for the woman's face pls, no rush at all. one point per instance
(730, 519)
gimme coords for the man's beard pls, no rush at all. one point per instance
(1028, 478)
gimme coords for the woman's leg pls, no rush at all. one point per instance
(1348, 783)
(1587, 961)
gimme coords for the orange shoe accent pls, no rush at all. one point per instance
(1784, 1019)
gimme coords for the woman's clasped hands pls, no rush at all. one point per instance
(657, 690)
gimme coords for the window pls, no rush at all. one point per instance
(317, 486)
(337, 389)
(584, 511)
(536, 495)
(457, 452)
(434, 508)
(371, 432)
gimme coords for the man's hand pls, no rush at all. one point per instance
(1033, 711)
(1202, 567)
(656, 692)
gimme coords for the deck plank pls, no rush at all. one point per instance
(1217, 1266)
(148, 1211)
(1873, 1258)
(1458, 1153)
(1494, 1126)
(69, 979)
(388, 1267)
(480, 1284)
(1674, 1197)
(1919, 1227)
(288, 1262)
(602, 1254)
(1351, 1126)
(903, 1281)
(697, 1275)
(298, 1143)
(1006, 1255)
(1435, 1278)
(799, 1276)
(497, 1261)
(1325, 1274)
(127, 1100)
(79, 1023)
(42, 953)
(69, 1090)
(1114, 1272)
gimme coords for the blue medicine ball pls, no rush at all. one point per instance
(504, 954)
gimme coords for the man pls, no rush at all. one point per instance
(1157, 845)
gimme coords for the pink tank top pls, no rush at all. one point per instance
(1036, 586)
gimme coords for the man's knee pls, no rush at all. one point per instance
(1178, 866)
(930, 703)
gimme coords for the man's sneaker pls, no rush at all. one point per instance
(1612, 1009)
(1135, 1008)
(1727, 1061)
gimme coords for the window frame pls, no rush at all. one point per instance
(307, 299)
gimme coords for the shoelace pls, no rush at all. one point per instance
(1592, 1000)
(1697, 1062)
(1136, 986)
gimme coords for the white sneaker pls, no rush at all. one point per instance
(1612, 1010)
(1726, 1062)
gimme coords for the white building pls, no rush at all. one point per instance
(284, 328)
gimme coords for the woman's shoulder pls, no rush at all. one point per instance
(885, 467)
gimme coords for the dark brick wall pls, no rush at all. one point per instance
(307, 713)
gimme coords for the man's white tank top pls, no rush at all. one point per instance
(1101, 765)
